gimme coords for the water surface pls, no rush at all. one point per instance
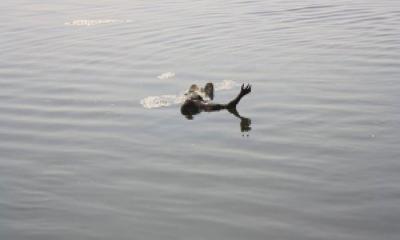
(82, 158)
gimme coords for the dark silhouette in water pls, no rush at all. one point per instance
(195, 103)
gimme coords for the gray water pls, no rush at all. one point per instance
(82, 158)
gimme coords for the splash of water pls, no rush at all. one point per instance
(93, 22)
(225, 85)
(168, 100)
(161, 101)
(166, 75)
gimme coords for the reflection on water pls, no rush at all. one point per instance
(244, 121)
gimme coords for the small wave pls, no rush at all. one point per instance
(166, 75)
(168, 100)
(93, 22)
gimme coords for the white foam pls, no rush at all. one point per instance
(225, 85)
(161, 101)
(168, 100)
(166, 75)
(93, 22)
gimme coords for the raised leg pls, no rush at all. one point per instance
(244, 90)
(209, 90)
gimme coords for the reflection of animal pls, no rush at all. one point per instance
(199, 99)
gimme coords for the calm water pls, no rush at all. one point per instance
(82, 158)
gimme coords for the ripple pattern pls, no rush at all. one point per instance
(81, 156)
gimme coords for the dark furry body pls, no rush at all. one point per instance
(195, 103)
